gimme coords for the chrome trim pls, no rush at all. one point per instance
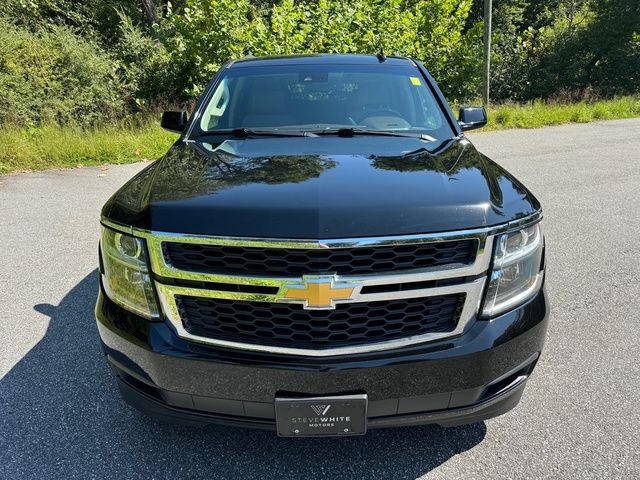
(473, 289)
(314, 243)
(357, 297)
(116, 226)
(473, 292)
(162, 268)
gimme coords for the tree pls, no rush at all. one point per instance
(150, 11)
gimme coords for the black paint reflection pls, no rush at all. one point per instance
(450, 158)
(192, 175)
(325, 187)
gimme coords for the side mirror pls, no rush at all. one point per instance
(174, 121)
(471, 118)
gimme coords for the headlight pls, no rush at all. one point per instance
(126, 278)
(516, 275)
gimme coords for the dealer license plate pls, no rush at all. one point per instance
(321, 416)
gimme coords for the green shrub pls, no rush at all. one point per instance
(576, 49)
(209, 32)
(54, 75)
(94, 62)
(148, 76)
(98, 18)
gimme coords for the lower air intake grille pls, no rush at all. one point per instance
(289, 325)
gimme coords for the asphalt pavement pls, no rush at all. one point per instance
(61, 416)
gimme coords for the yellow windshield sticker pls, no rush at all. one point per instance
(416, 81)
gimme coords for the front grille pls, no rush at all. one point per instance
(254, 261)
(289, 325)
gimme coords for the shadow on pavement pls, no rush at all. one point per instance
(61, 417)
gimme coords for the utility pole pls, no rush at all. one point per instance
(486, 60)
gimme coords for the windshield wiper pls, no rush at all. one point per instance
(350, 132)
(250, 132)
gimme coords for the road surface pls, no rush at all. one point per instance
(61, 417)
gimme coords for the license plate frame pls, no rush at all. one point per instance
(321, 416)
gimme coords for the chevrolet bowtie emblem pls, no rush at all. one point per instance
(319, 292)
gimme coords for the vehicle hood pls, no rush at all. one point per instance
(320, 188)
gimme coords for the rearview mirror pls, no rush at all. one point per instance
(471, 118)
(174, 121)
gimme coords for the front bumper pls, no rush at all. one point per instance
(477, 375)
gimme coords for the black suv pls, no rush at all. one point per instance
(322, 251)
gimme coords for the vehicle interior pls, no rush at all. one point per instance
(322, 99)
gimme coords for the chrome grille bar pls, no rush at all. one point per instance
(473, 288)
(162, 268)
(473, 292)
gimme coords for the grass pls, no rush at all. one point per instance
(541, 114)
(65, 147)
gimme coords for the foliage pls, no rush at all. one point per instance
(91, 18)
(568, 49)
(53, 75)
(538, 113)
(147, 75)
(96, 62)
(206, 34)
(602, 52)
(211, 32)
(52, 146)
(452, 55)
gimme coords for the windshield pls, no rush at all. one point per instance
(324, 97)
